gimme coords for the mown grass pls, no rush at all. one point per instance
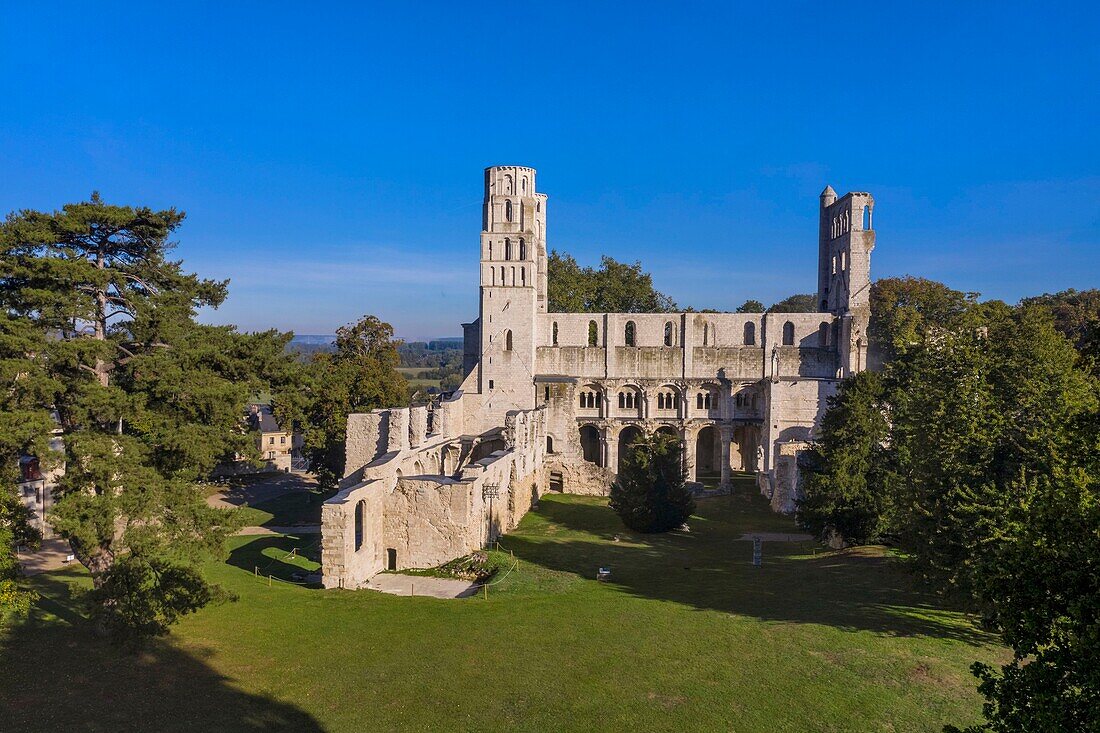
(688, 635)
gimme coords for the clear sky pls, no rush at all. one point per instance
(329, 157)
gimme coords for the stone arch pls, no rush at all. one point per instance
(629, 401)
(360, 522)
(627, 435)
(707, 452)
(668, 398)
(590, 443)
(707, 399)
(590, 398)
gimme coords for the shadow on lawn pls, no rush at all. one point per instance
(272, 555)
(709, 568)
(55, 674)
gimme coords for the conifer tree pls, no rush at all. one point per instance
(650, 493)
(148, 400)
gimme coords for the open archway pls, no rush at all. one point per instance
(707, 453)
(590, 444)
(627, 436)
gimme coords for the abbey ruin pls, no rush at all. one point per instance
(551, 400)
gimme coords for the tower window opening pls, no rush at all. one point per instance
(554, 333)
(750, 334)
(522, 250)
(788, 334)
(508, 211)
(508, 340)
(523, 184)
(513, 276)
(490, 250)
(523, 276)
(507, 249)
(546, 393)
(669, 337)
(866, 218)
(593, 334)
(628, 333)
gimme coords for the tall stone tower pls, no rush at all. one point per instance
(845, 241)
(513, 289)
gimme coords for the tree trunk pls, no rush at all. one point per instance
(101, 369)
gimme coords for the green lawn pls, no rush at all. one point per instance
(687, 636)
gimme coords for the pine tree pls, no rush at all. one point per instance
(148, 400)
(650, 493)
(846, 496)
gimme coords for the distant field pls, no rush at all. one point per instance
(687, 636)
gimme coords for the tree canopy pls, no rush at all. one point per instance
(616, 287)
(102, 322)
(650, 493)
(801, 303)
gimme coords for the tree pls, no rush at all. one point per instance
(803, 303)
(616, 287)
(360, 375)
(148, 400)
(904, 309)
(846, 496)
(1042, 586)
(751, 306)
(651, 494)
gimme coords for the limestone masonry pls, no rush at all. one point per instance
(550, 400)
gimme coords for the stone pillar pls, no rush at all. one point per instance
(612, 452)
(689, 456)
(418, 425)
(725, 437)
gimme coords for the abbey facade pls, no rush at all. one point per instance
(551, 400)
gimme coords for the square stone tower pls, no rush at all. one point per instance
(513, 289)
(845, 241)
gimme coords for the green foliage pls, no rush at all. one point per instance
(360, 376)
(802, 303)
(139, 598)
(616, 287)
(751, 306)
(102, 324)
(650, 493)
(1042, 586)
(905, 309)
(845, 496)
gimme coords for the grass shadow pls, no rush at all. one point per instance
(284, 557)
(709, 567)
(54, 671)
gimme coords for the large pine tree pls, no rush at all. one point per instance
(148, 400)
(650, 493)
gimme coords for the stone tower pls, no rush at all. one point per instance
(513, 288)
(845, 241)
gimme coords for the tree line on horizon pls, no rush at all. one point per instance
(975, 452)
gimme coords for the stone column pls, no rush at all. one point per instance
(725, 437)
(612, 452)
(689, 456)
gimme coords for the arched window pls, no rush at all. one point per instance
(706, 334)
(750, 334)
(523, 184)
(508, 184)
(523, 276)
(507, 249)
(490, 250)
(843, 260)
(866, 218)
(502, 275)
(823, 334)
(554, 331)
(508, 211)
(493, 272)
(824, 306)
(593, 334)
(513, 273)
(669, 337)
(788, 334)
(549, 444)
(699, 401)
(628, 333)
(538, 206)
(508, 340)
(360, 516)
(628, 399)
(522, 250)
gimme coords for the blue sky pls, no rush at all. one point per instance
(329, 158)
